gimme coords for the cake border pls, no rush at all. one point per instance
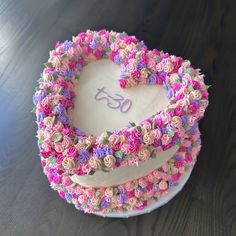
(161, 201)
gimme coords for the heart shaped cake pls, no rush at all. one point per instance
(117, 123)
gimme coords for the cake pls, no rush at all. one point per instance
(117, 123)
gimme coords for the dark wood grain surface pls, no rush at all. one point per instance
(202, 31)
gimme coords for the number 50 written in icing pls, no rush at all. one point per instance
(113, 102)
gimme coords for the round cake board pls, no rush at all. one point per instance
(162, 200)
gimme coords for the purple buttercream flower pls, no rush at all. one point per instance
(142, 44)
(79, 66)
(59, 109)
(101, 152)
(184, 120)
(143, 190)
(93, 44)
(79, 132)
(38, 96)
(184, 84)
(89, 202)
(123, 72)
(155, 188)
(105, 204)
(152, 79)
(170, 93)
(121, 198)
(171, 184)
(193, 130)
(141, 65)
(66, 94)
(68, 196)
(84, 156)
(163, 130)
(177, 157)
(121, 189)
(104, 52)
(196, 102)
(117, 59)
(177, 140)
(78, 206)
(170, 127)
(67, 45)
(123, 75)
(163, 74)
(60, 71)
(108, 151)
(188, 149)
(40, 116)
(165, 85)
(98, 152)
(54, 172)
(70, 73)
(64, 119)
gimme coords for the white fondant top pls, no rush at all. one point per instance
(101, 105)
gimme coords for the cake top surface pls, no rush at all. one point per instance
(82, 153)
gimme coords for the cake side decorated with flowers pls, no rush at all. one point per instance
(117, 166)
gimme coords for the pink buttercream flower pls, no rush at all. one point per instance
(66, 142)
(134, 134)
(165, 116)
(188, 158)
(46, 146)
(156, 133)
(82, 199)
(66, 181)
(114, 139)
(72, 151)
(58, 126)
(157, 174)
(66, 131)
(130, 193)
(140, 205)
(165, 167)
(178, 163)
(129, 186)
(137, 193)
(150, 193)
(150, 177)
(132, 66)
(193, 108)
(179, 111)
(122, 83)
(59, 147)
(146, 125)
(151, 64)
(160, 67)
(165, 139)
(175, 177)
(114, 47)
(125, 148)
(136, 74)
(142, 183)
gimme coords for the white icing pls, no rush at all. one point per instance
(95, 117)
(123, 174)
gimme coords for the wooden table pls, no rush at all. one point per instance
(202, 31)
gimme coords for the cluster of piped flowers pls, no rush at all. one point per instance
(135, 194)
(72, 150)
(67, 150)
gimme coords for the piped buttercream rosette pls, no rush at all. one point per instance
(67, 151)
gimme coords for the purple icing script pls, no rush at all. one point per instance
(114, 102)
